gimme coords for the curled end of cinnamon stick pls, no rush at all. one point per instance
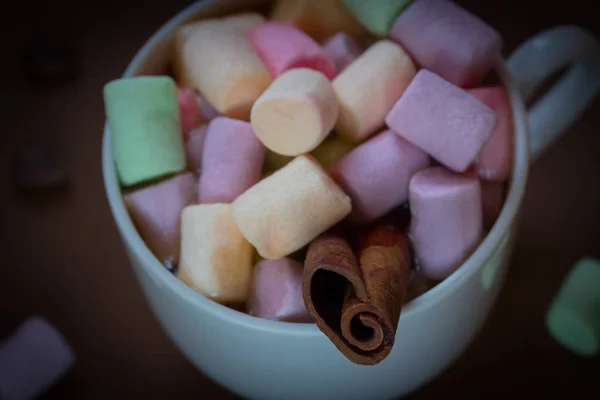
(356, 299)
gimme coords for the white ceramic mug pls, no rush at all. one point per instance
(260, 359)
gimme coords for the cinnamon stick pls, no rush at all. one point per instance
(356, 298)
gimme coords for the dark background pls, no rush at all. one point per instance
(62, 258)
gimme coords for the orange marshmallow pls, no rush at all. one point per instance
(215, 259)
(320, 19)
(296, 113)
(369, 87)
(286, 210)
(215, 58)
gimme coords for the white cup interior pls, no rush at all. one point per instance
(154, 59)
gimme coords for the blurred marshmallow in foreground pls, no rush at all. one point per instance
(32, 359)
(573, 318)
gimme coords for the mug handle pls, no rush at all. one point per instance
(536, 60)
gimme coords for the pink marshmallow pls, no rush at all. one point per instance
(445, 38)
(443, 120)
(194, 147)
(276, 292)
(376, 174)
(232, 160)
(492, 200)
(189, 111)
(446, 219)
(494, 162)
(281, 46)
(156, 211)
(343, 49)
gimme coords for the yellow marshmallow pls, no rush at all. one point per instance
(285, 211)
(296, 113)
(215, 259)
(214, 57)
(368, 88)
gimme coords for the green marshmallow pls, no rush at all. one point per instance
(573, 318)
(378, 16)
(143, 116)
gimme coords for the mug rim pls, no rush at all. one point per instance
(152, 266)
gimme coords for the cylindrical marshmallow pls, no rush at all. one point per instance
(32, 359)
(232, 160)
(296, 113)
(446, 220)
(286, 210)
(216, 59)
(143, 116)
(156, 210)
(573, 318)
(189, 110)
(492, 200)
(443, 120)
(319, 19)
(494, 161)
(276, 292)
(343, 49)
(376, 174)
(446, 39)
(281, 46)
(333, 149)
(216, 260)
(194, 147)
(368, 88)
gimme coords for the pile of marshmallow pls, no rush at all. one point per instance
(275, 130)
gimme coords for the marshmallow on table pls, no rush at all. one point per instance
(194, 147)
(376, 174)
(216, 260)
(232, 160)
(492, 200)
(377, 15)
(276, 292)
(295, 114)
(145, 128)
(215, 58)
(286, 210)
(443, 120)
(343, 49)
(320, 19)
(156, 210)
(281, 46)
(189, 110)
(333, 149)
(446, 221)
(448, 40)
(35, 357)
(494, 161)
(573, 318)
(368, 88)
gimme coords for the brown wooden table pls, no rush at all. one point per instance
(62, 257)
